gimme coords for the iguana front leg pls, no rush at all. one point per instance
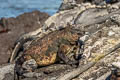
(66, 59)
(63, 57)
(80, 49)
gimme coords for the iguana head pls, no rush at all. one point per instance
(73, 34)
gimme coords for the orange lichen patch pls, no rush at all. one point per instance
(46, 60)
(112, 41)
(97, 58)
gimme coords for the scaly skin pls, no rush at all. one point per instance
(56, 46)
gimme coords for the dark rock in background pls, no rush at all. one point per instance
(12, 28)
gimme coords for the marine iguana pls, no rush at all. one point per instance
(60, 45)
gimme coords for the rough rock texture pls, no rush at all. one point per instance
(99, 44)
(100, 24)
(12, 28)
(5, 69)
(71, 4)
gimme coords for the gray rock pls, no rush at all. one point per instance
(6, 69)
(29, 79)
(93, 17)
(9, 76)
(116, 18)
(33, 74)
(67, 4)
(30, 64)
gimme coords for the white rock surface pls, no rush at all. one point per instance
(117, 64)
(6, 69)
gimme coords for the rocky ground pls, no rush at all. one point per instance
(100, 23)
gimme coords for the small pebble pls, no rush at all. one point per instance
(110, 33)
